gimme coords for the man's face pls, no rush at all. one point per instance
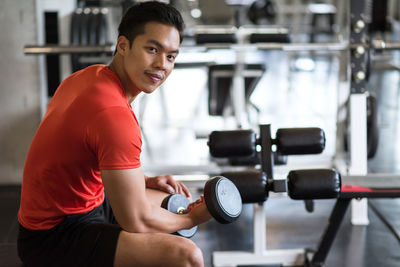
(150, 59)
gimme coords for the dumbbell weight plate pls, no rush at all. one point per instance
(261, 9)
(91, 28)
(175, 203)
(222, 199)
(102, 29)
(75, 33)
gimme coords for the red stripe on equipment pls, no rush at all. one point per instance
(351, 188)
(355, 188)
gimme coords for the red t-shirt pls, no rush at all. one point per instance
(88, 126)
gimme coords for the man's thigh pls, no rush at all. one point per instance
(93, 245)
(156, 196)
(80, 240)
(156, 249)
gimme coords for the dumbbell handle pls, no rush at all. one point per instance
(181, 210)
(177, 203)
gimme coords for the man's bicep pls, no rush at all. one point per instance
(126, 192)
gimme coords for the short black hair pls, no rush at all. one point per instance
(136, 17)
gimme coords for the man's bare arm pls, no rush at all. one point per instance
(126, 190)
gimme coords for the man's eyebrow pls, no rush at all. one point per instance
(157, 43)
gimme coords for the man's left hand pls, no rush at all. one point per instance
(167, 184)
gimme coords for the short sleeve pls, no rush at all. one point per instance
(115, 139)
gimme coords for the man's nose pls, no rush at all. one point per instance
(161, 62)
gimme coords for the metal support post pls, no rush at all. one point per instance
(259, 255)
(259, 233)
(331, 230)
(358, 104)
(267, 163)
(238, 91)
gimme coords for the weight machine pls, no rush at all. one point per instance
(254, 186)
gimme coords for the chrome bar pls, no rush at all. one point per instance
(381, 44)
(375, 180)
(340, 46)
(67, 49)
(303, 46)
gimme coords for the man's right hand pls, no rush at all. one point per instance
(198, 211)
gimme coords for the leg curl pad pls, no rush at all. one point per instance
(296, 141)
(251, 185)
(240, 143)
(314, 184)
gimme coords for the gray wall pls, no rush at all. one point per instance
(19, 87)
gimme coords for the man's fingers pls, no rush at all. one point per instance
(193, 204)
(166, 187)
(169, 180)
(185, 191)
(168, 184)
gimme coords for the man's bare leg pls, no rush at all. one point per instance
(156, 249)
(156, 196)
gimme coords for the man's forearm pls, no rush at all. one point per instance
(158, 220)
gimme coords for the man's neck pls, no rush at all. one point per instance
(114, 66)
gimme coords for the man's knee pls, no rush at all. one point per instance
(191, 254)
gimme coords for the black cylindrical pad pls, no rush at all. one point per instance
(240, 143)
(297, 141)
(220, 38)
(251, 185)
(314, 184)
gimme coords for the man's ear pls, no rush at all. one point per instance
(122, 45)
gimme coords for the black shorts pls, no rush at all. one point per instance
(88, 239)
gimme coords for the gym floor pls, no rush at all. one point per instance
(310, 91)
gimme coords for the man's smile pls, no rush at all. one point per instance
(155, 76)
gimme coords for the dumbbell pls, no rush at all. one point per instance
(178, 203)
(222, 199)
(261, 9)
